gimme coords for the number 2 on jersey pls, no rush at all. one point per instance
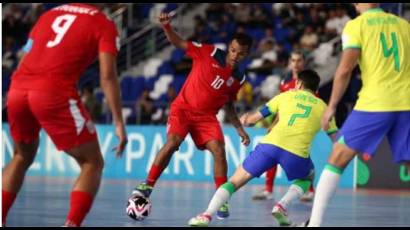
(393, 50)
(307, 110)
(60, 26)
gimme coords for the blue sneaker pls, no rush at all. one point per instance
(143, 190)
(223, 212)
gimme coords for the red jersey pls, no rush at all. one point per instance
(290, 83)
(211, 82)
(62, 44)
(287, 84)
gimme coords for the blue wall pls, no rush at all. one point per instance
(144, 142)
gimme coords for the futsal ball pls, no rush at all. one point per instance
(138, 207)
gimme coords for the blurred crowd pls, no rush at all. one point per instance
(277, 30)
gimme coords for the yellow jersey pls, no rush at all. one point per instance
(300, 113)
(384, 42)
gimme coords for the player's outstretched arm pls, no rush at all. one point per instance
(341, 81)
(233, 117)
(110, 86)
(174, 38)
(250, 119)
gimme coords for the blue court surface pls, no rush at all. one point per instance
(43, 201)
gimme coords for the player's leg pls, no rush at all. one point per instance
(207, 134)
(299, 170)
(361, 132)
(177, 129)
(217, 148)
(66, 121)
(309, 195)
(254, 165)
(267, 192)
(14, 173)
(24, 129)
(91, 162)
(160, 163)
(399, 138)
(221, 197)
(329, 180)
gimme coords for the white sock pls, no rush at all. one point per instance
(294, 193)
(220, 197)
(325, 190)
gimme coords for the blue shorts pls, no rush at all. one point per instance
(265, 156)
(363, 132)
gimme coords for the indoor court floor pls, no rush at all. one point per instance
(43, 201)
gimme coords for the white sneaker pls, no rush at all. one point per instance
(263, 195)
(201, 220)
(307, 197)
(281, 215)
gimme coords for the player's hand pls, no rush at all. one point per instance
(122, 137)
(165, 18)
(243, 119)
(327, 116)
(244, 136)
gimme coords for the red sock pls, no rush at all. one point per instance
(270, 176)
(311, 189)
(80, 204)
(153, 175)
(220, 181)
(8, 200)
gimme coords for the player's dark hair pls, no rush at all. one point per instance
(243, 40)
(310, 79)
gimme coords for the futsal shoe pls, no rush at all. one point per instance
(307, 197)
(281, 215)
(201, 220)
(223, 212)
(263, 195)
(143, 189)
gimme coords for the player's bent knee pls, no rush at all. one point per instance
(304, 184)
(24, 161)
(341, 155)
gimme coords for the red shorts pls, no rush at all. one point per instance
(202, 127)
(64, 118)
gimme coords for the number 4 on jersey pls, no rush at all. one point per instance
(60, 26)
(393, 50)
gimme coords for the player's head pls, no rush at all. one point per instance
(308, 79)
(238, 48)
(362, 7)
(297, 61)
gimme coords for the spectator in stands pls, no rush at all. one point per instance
(91, 103)
(331, 24)
(245, 98)
(342, 19)
(258, 17)
(266, 60)
(315, 20)
(145, 108)
(9, 59)
(242, 13)
(309, 40)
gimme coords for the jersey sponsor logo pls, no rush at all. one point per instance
(215, 65)
(230, 81)
(197, 44)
